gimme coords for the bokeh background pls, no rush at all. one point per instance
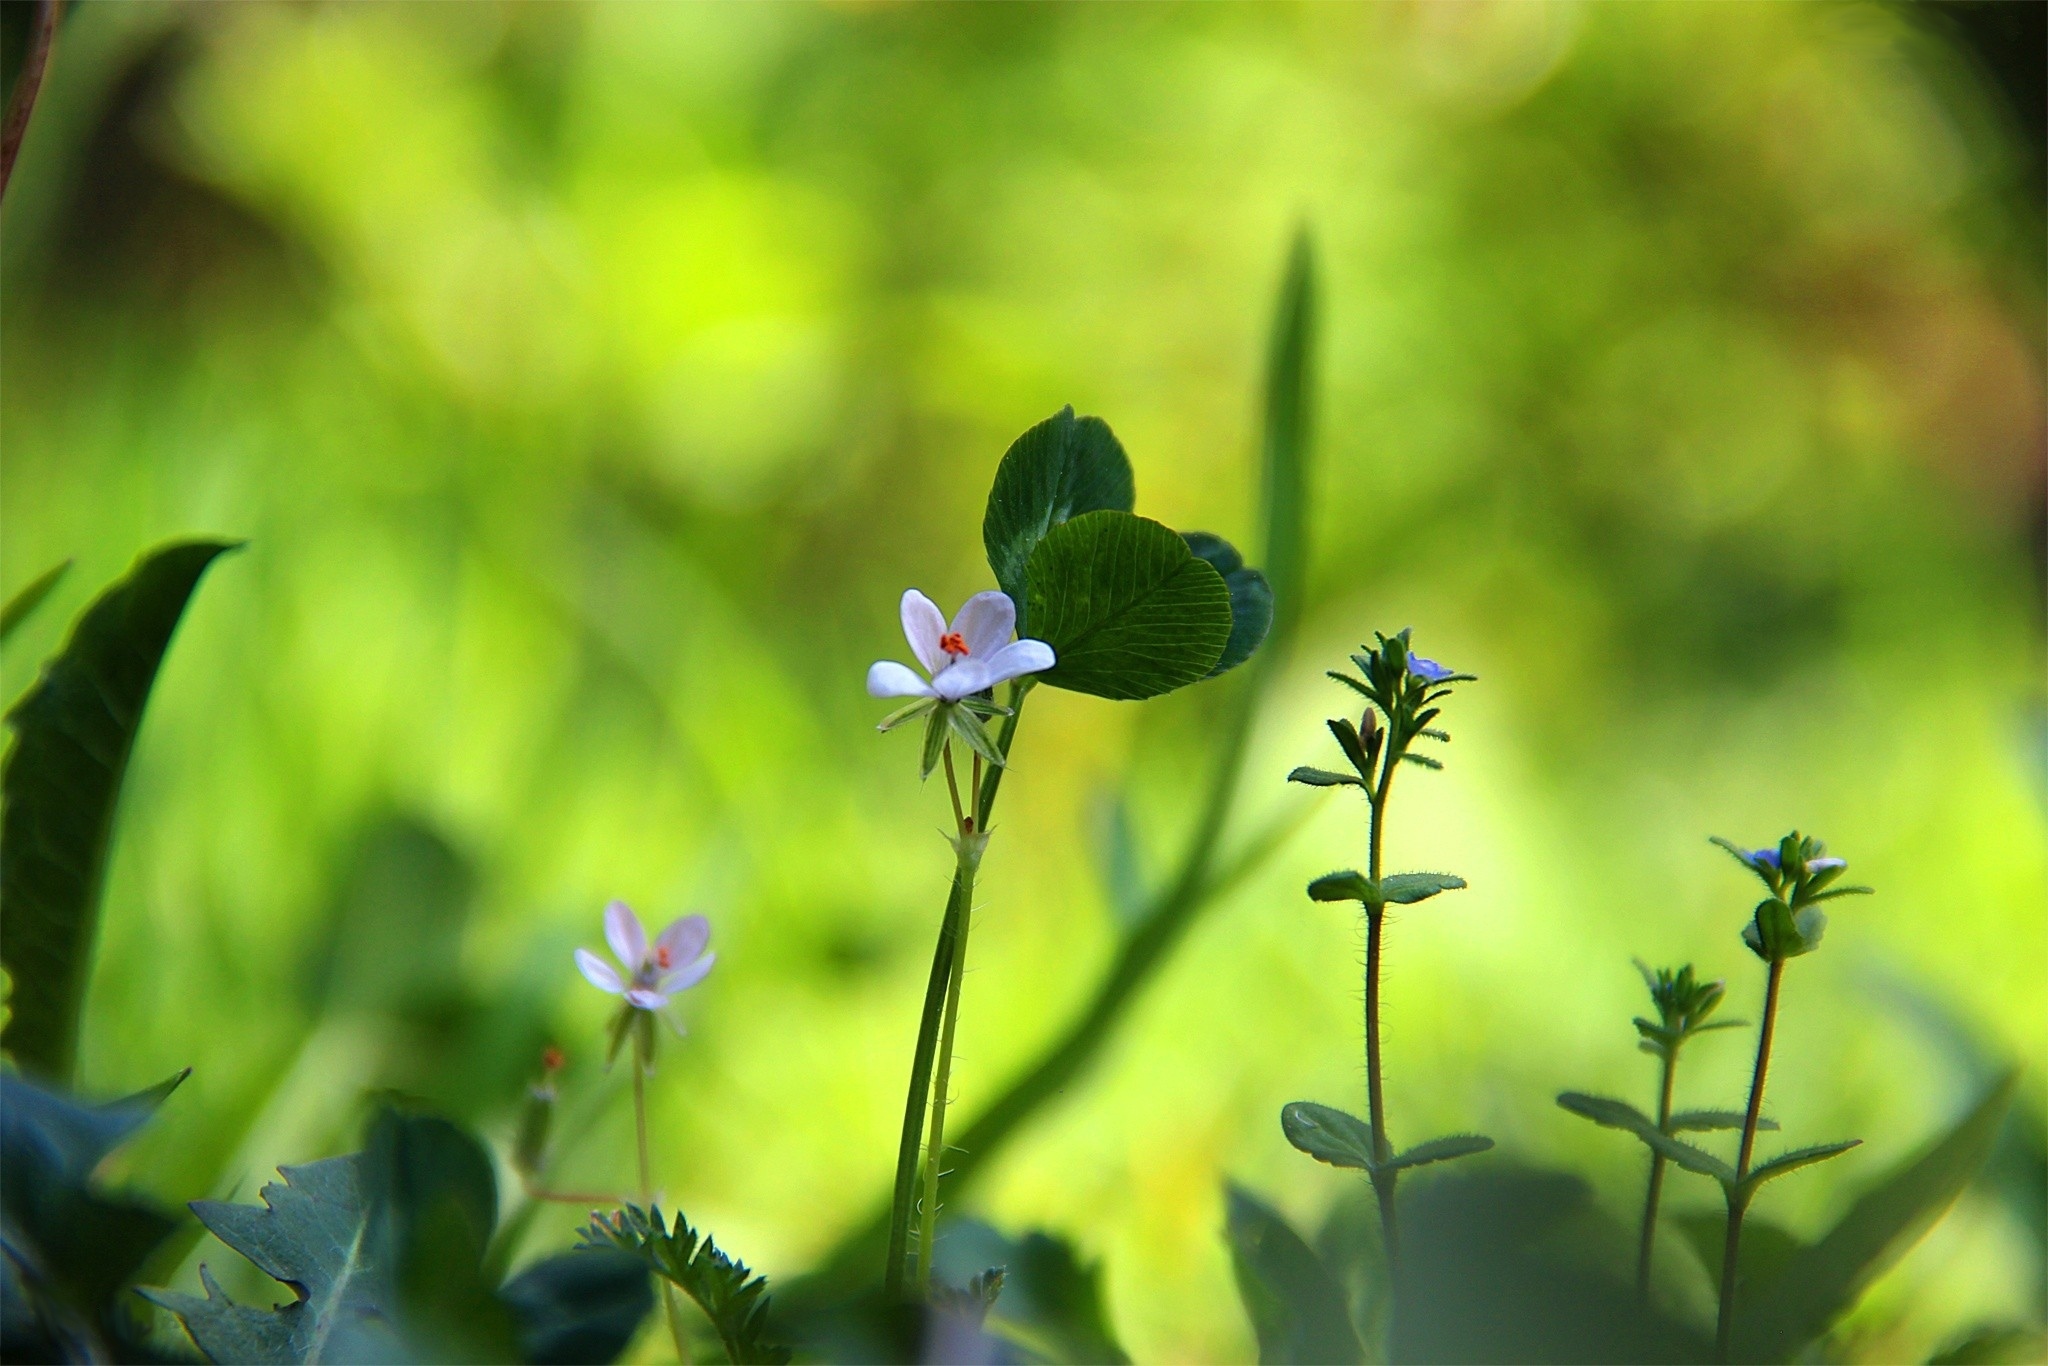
(589, 381)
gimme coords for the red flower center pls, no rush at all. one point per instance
(953, 643)
(661, 956)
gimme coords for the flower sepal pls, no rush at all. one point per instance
(903, 716)
(970, 848)
(1777, 932)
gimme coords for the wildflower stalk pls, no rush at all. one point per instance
(643, 1063)
(1656, 1186)
(1383, 1180)
(935, 1146)
(940, 989)
(1724, 1325)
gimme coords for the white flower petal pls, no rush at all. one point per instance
(961, 680)
(684, 939)
(646, 999)
(687, 976)
(923, 624)
(622, 931)
(985, 623)
(887, 678)
(1018, 658)
(598, 973)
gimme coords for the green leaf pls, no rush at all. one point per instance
(936, 730)
(1999, 1343)
(1288, 431)
(1051, 1304)
(1439, 1150)
(1128, 609)
(1786, 1163)
(1348, 885)
(731, 1296)
(968, 727)
(1063, 467)
(579, 1306)
(1619, 1114)
(1251, 600)
(1297, 1308)
(73, 734)
(1329, 1135)
(1405, 889)
(313, 1234)
(906, 714)
(1411, 757)
(1767, 1249)
(1826, 1279)
(1322, 777)
(1706, 1121)
(23, 604)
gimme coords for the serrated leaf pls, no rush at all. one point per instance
(1348, 885)
(1619, 1114)
(1128, 609)
(1322, 777)
(1251, 600)
(1707, 1121)
(1827, 1278)
(1785, 1163)
(22, 605)
(1058, 470)
(312, 1232)
(1297, 1308)
(731, 1296)
(1405, 889)
(1328, 1134)
(1439, 1150)
(73, 733)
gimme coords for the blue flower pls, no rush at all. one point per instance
(1818, 865)
(1760, 859)
(1428, 670)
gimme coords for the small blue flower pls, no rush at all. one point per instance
(1764, 858)
(1428, 670)
(1818, 865)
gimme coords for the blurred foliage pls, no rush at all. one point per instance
(590, 380)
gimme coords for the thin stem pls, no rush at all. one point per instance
(1724, 1329)
(1376, 1106)
(1656, 1190)
(953, 788)
(27, 83)
(643, 1060)
(935, 1149)
(903, 1199)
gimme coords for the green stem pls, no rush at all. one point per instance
(903, 1199)
(1738, 1205)
(643, 1059)
(935, 1148)
(1383, 1183)
(1656, 1190)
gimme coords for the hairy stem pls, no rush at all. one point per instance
(935, 1147)
(1376, 1106)
(903, 1199)
(1724, 1327)
(1656, 1190)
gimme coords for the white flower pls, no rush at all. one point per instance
(675, 961)
(974, 653)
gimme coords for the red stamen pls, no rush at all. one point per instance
(953, 643)
(551, 1059)
(661, 956)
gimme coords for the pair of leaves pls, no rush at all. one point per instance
(1343, 1139)
(70, 1247)
(1130, 608)
(74, 732)
(1619, 1114)
(731, 1296)
(1402, 889)
(384, 1250)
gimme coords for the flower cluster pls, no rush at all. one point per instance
(1683, 1004)
(1799, 874)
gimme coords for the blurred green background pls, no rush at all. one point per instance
(590, 380)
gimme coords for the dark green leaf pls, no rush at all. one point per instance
(1785, 1163)
(1289, 426)
(73, 734)
(1439, 1150)
(581, 1306)
(1130, 611)
(1703, 1121)
(2002, 1343)
(1322, 777)
(1328, 1134)
(1617, 1114)
(731, 1296)
(1296, 1307)
(1251, 600)
(1827, 1279)
(1344, 886)
(1061, 468)
(23, 604)
(1407, 888)
(1767, 1250)
(1051, 1304)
